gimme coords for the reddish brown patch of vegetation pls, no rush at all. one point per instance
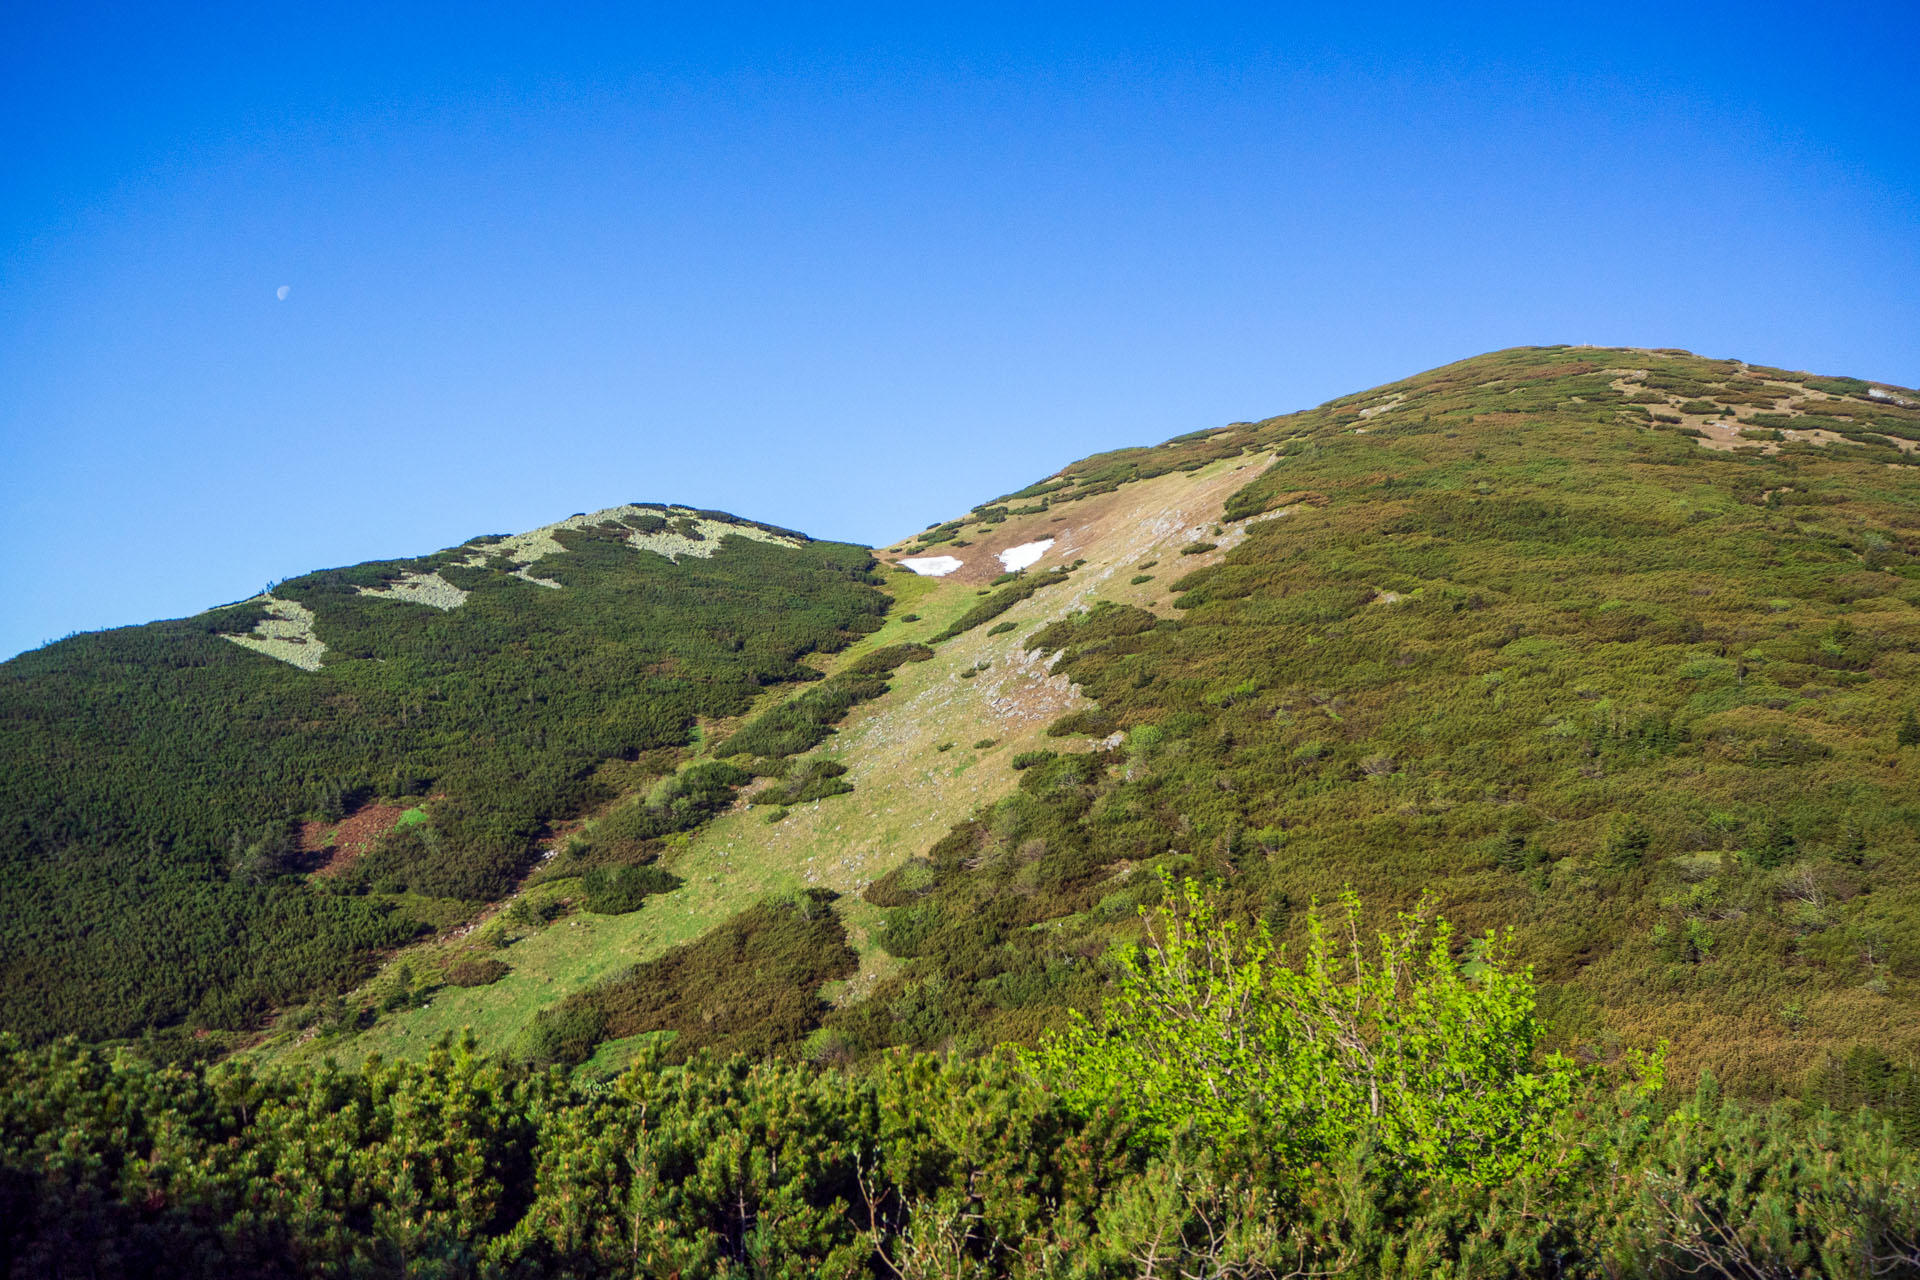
(336, 845)
(1092, 523)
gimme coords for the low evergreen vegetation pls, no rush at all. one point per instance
(750, 985)
(152, 778)
(617, 890)
(1229, 1116)
(804, 721)
(1019, 586)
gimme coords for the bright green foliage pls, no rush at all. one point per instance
(1391, 1044)
(920, 1166)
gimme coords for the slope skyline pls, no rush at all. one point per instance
(980, 572)
(880, 265)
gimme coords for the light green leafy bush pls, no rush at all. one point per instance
(1387, 1042)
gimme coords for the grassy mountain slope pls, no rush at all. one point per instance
(161, 784)
(1612, 646)
(1531, 636)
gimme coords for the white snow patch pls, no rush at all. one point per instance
(933, 566)
(1027, 553)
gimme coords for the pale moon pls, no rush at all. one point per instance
(282, 292)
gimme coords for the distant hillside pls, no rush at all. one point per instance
(170, 792)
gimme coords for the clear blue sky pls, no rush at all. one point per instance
(853, 271)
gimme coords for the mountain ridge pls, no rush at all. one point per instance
(1340, 555)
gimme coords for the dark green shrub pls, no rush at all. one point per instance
(677, 802)
(1002, 600)
(476, 971)
(532, 912)
(806, 720)
(1776, 846)
(1625, 842)
(612, 891)
(751, 985)
(882, 662)
(1092, 722)
(564, 1036)
(806, 781)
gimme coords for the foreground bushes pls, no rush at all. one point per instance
(459, 1166)
(1379, 1111)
